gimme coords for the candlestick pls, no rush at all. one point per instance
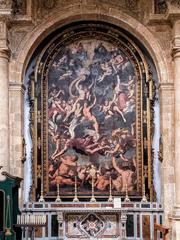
(93, 174)
(144, 199)
(75, 191)
(41, 199)
(126, 197)
(110, 199)
(58, 199)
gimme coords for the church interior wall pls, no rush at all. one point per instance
(26, 32)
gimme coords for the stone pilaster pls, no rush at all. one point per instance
(176, 58)
(16, 114)
(166, 91)
(4, 108)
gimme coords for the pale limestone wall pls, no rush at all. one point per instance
(154, 31)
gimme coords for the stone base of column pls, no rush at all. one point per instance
(176, 223)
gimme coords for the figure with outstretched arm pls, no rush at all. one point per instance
(57, 141)
(62, 151)
(126, 175)
(91, 149)
(118, 150)
(65, 172)
(88, 115)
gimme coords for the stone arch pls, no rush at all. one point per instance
(64, 16)
(109, 15)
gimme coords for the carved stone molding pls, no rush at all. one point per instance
(3, 3)
(5, 53)
(174, 2)
(49, 4)
(14, 86)
(18, 7)
(160, 6)
(45, 7)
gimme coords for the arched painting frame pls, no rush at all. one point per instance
(91, 104)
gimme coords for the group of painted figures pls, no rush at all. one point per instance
(91, 117)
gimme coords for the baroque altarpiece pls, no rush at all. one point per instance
(91, 96)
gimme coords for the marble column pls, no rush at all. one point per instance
(176, 58)
(4, 108)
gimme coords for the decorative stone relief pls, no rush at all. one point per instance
(92, 225)
(49, 4)
(4, 6)
(132, 4)
(175, 2)
(18, 7)
(3, 3)
(16, 38)
(160, 6)
(43, 6)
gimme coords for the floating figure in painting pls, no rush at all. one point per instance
(106, 109)
(99, 146)
(66, 75)
(121, 97)
(85, 145)
(125, 137)
(107, 71)
(76, 120)
(57, 141)
(89, 116)
(76, 143)
(55, 109)
(117, 62)
(84, 94)
(118, 149)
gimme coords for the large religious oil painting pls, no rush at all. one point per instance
(92, 108)
(92, 118)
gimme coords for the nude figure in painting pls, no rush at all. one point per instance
(77, 143)
(107, 70)
(102, 181)
(118, 149)
(65, 172)
(57, 141)
(55, 109)
(84, 94)
(88, 115)
(125, 174)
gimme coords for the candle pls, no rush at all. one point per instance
(18, 219)
(33, 220)
(44, 219)
(38, 219)
(22, 219)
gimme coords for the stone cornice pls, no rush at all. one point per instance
(16, 86)
(166, 86)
